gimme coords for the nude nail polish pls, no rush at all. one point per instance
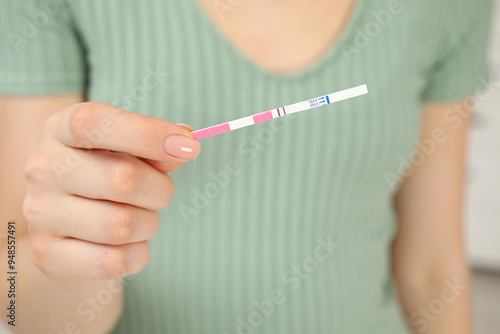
(182, 147)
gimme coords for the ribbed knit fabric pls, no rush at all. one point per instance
(282, 227)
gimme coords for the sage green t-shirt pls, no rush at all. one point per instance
(285, 226)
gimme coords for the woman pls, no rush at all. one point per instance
(346, 219)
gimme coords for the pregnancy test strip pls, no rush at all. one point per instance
(279, 112)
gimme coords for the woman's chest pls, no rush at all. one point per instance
(162, 59)
(281, 36)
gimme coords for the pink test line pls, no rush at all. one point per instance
(212, 131)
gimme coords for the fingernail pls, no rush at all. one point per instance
(185, 126)
(182, 147)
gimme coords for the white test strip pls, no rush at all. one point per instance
(279, 112)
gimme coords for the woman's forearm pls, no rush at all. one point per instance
(428, 255)
(437, 303)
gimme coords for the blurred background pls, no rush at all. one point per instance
(483, 197)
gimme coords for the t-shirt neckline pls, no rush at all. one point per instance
(331, 51)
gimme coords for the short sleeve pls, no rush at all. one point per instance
(462, 64)
(40, 52)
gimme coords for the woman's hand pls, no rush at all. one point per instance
(95, 186)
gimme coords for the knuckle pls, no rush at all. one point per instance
(38, 251)
(83, 117)
(143, 259)
(115, 262)
(49, 124)
(165, 197)
(32, 207)
(119, 225)
(155, 224)
(37, 166)
(152, 224)
(124, 177)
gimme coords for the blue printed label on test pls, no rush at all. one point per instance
(321, 101)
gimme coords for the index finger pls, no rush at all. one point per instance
(96, 125)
